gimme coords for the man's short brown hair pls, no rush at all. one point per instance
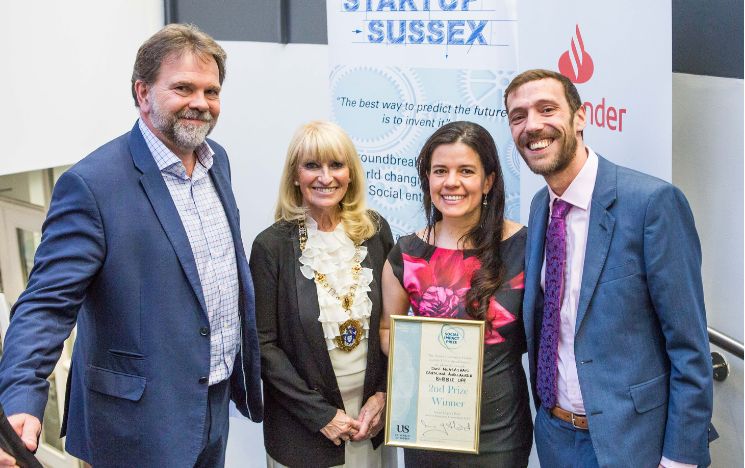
(174, 40)
(570, 91)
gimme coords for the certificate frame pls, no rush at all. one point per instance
(435, 371)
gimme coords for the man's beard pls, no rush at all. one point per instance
(183, 135)
(562, 159)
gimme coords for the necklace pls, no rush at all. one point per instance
(350, 331)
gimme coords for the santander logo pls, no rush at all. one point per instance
(576, 64)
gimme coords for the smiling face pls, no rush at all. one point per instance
(322, 185)
(457, 182)
(544, 128)
(182, 105)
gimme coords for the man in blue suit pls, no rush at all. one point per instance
(614, 310)
(141, 249)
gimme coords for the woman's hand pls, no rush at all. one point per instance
(371, 417)
(342, 427)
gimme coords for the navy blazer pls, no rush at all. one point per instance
(115, 259)
(641, 344)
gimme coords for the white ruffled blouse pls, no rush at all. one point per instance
(332, 253)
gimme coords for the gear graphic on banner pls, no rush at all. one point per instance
(378, 93)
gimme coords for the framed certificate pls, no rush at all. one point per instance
(434, 383)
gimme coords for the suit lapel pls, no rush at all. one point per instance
(222, 187)
(599, 235)
(534, 263)
(307, 301)
(162, 203)
(373, 294)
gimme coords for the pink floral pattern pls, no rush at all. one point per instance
(438, 287)
(439, 302)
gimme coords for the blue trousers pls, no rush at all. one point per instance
(215, 438)
(560, 445)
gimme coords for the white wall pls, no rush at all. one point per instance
(708, 167)
(66, 74)
(269, 91)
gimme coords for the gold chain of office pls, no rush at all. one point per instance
(351, 331)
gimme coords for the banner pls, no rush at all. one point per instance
(619, 55)
(402, 68)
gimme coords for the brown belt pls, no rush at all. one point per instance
(576, 420)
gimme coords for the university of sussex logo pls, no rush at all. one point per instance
(576, 64)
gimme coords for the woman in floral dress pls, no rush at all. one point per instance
(467, 263)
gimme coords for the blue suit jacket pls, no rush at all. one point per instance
(641, 344)
(115, 259)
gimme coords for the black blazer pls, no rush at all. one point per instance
(300, 389)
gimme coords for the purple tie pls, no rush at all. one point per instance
(556, 249)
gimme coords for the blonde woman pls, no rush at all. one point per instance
(317, 274)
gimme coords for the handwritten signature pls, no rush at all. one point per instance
(445, 427)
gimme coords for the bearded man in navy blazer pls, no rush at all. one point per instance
(141, 249)
(614, 309)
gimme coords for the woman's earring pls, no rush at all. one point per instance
(484, 202)
(297, 183)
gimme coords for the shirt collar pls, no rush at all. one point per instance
(167, 161)
(579, 192)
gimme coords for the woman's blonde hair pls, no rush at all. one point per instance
(323, 142)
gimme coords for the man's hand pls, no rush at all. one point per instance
(371, 417)
(7, 460)
(342, 427)
(28, 428)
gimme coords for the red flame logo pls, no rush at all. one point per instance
(577, 65)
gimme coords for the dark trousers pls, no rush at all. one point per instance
(560, 445)
(517, 458)
(215, 438)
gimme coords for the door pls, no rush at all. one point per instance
(20, 234)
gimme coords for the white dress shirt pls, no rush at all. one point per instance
(211, 241)
(579, 195)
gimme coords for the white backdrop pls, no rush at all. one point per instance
(630, 46)
(619, 59)
(269, 91)
(397, 76)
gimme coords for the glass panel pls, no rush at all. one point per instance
(52, 424)
(25, 186)
(28, 241)
(33, 187)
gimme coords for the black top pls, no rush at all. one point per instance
(300, 388)
(437, 280)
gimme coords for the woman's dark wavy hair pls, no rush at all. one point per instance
(486, 235)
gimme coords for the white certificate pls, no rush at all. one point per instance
(434, 383)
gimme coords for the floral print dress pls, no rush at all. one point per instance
(437, 280)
